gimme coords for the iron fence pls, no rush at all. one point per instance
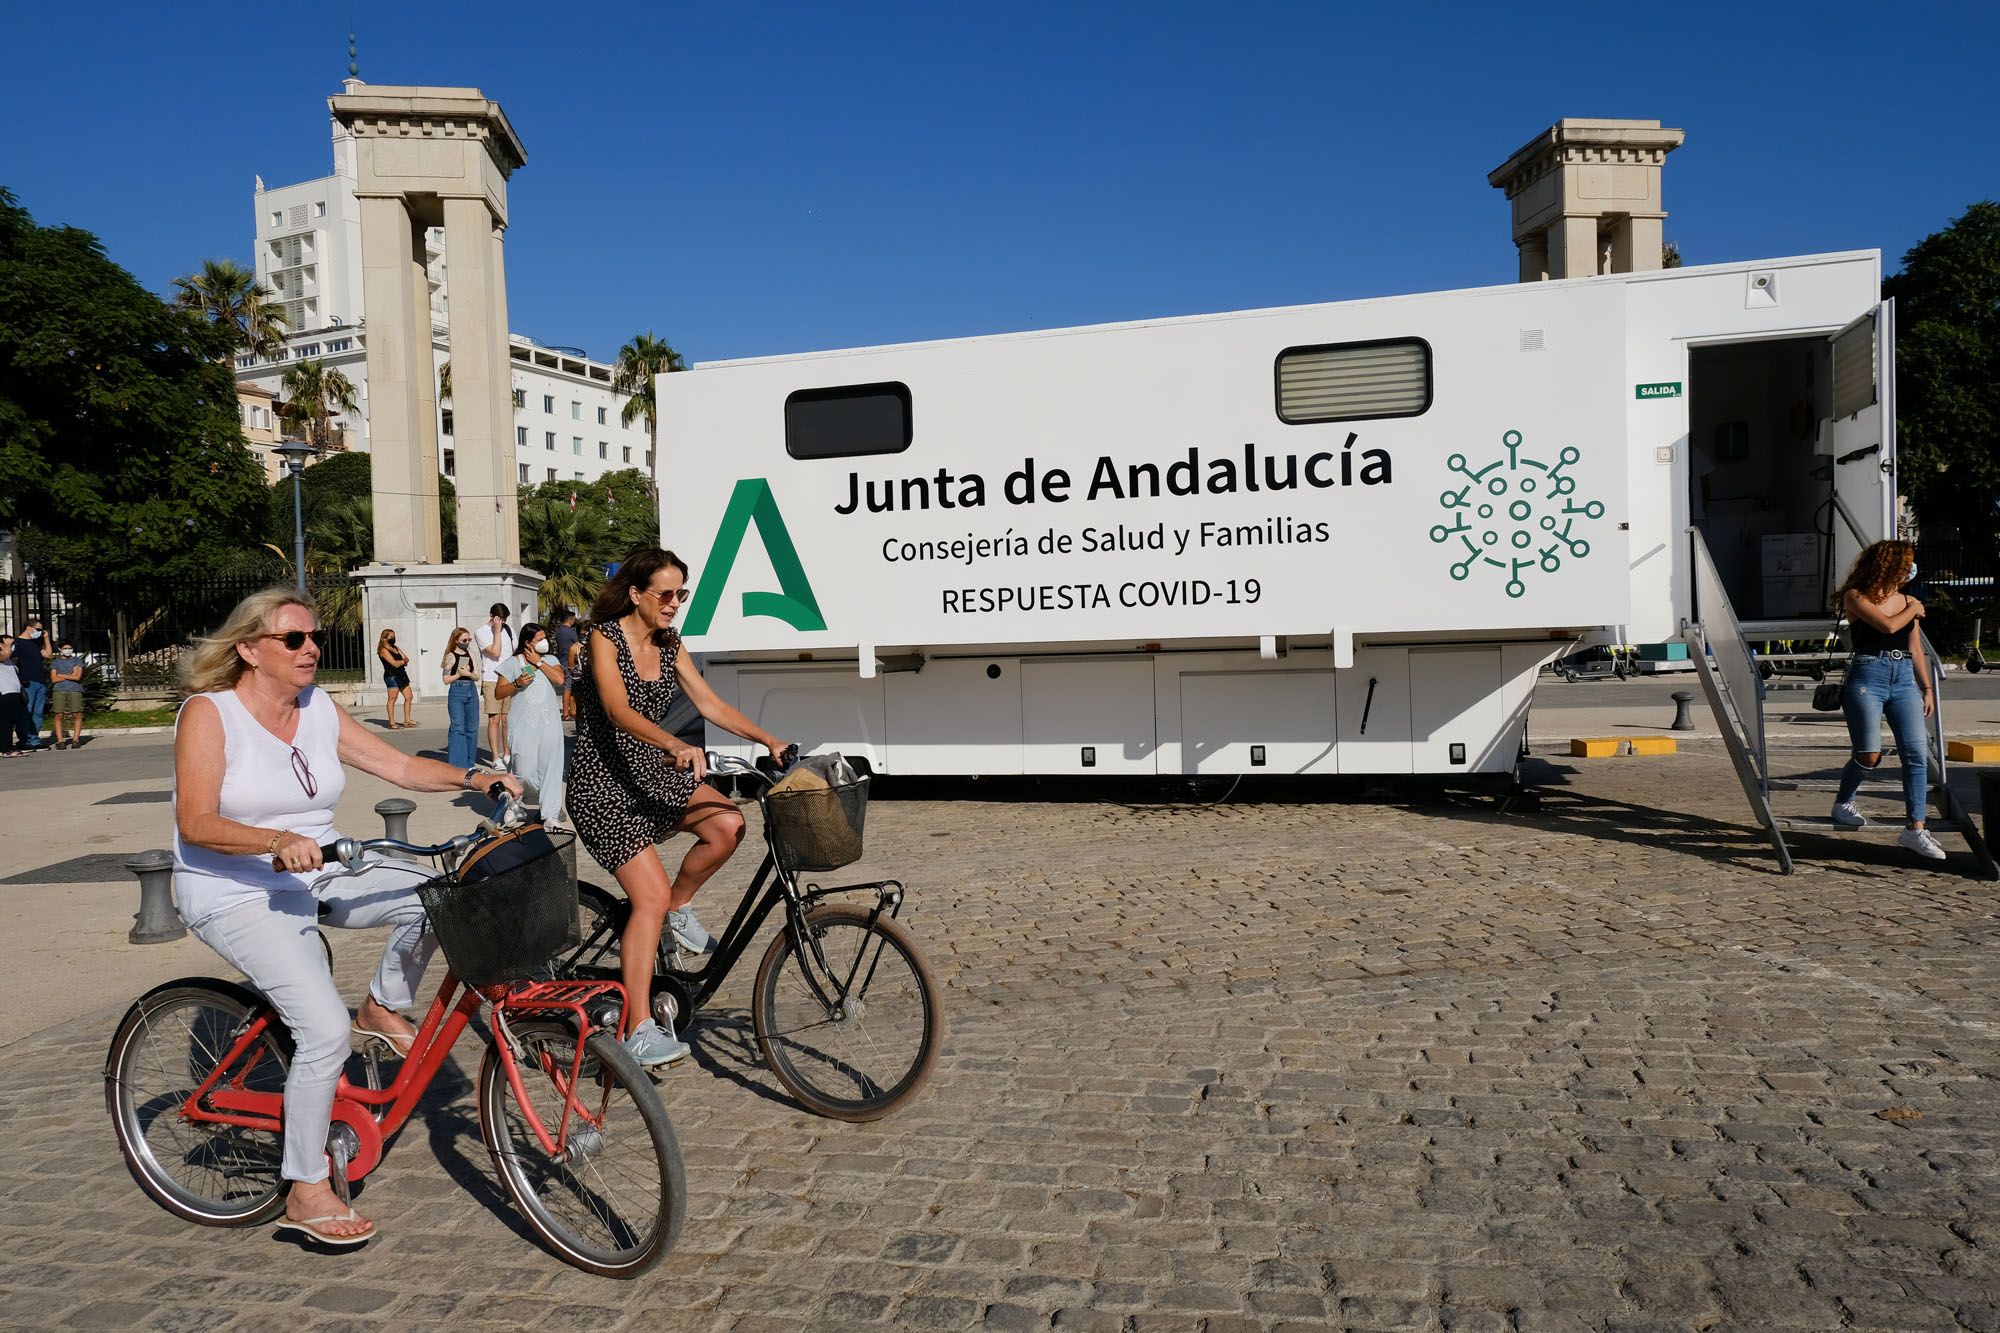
(139, 646)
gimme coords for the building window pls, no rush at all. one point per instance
(627, 450)
(450, 463)
(846, 421)
(552, 474)
(603, 449)
(520, 437)
(245, 362)
(319, 209)
(548, 439)
(277, 217)
(520, 397)
(444, 425)
(549, 403)
(600, 416)
(579, 476)
(576, 411)
(1356, 381)
(340, 344)
(576, 444)
(649, 458)
(524, 474)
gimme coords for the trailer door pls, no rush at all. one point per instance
(1861, 436)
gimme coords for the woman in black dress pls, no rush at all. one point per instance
(633, 784)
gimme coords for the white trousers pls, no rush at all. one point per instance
(271, 941)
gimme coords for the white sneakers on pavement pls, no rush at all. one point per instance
(1920, 841)
(1845, 815)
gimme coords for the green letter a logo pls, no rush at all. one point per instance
(752, 501)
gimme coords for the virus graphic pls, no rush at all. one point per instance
(1509, 508)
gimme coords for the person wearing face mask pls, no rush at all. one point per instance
(461, 678)
(13, 703)
(532, 682)
(395, 678)
(66, 693)
(1887, 678)
(32, 663)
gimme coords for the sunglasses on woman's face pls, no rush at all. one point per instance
(668, 596)
(296, 639)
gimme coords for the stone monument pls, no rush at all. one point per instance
(428, 157)
(1586, 197)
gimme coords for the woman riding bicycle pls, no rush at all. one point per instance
(633, 785)
(258, 768)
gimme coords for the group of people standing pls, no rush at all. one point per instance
(32, 684)
(524, 684)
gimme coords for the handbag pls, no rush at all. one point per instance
(1826, 694)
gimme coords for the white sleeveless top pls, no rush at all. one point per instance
(261, 787)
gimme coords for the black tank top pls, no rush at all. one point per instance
(1868, 639)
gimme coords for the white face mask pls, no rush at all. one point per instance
(1911, 577)
(540, 645)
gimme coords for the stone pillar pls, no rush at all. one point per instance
(402, 423)
(1534, 257)
(426, 157)
(481, 387)
(1579, 179)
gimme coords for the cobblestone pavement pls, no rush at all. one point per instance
(1261, 1065)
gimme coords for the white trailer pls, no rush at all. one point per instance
(1320, 539)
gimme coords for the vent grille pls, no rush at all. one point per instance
(1354, 381)
(1854, 368)
(299, 215)
(1533, 340)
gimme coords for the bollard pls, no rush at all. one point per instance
(395, 812)
(157, 921)
(1683, 716)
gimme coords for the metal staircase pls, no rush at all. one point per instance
(1736, 691)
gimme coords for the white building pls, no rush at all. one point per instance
(308, 256)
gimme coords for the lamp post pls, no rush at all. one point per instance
(295, 453)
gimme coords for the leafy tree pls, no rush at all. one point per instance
(565, 544)
(619, 506)
(1948, 375)
(638, 362)
(122, 463)
(226, 293)
(313, 394)
(338, 509)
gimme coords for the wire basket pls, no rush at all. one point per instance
(506, 914)
(817, 828)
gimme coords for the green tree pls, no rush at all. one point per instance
(226, 293)
(122, 463)
(338, 509)
(565, 544)
(638, 362)
(1948, 375)
(621, 513)
(313, 394)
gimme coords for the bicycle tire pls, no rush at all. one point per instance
(837, 1082)
(167, 1044)
(639, 1216)
(601, 919)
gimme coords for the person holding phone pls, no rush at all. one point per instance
(531, 683)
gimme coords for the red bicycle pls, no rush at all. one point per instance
(195, 1077)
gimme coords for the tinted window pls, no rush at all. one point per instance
(848, 421)
(1354, 381)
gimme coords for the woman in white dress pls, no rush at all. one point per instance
(533, 680)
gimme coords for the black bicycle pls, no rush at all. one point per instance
(844, 1008)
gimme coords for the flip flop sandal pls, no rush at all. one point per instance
(310, 1229)
(398, 1044)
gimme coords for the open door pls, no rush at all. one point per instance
(1861, 435)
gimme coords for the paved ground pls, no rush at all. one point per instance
(1277, 1063)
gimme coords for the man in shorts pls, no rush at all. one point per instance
(66, 694)
(495, 642)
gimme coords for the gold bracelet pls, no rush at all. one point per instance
(276, 838)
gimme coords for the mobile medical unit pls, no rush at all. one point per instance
(1321, 539)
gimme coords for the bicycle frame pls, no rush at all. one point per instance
(376, 1114)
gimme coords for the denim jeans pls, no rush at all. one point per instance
(1877, 687)
(462, 742)
(36, 693)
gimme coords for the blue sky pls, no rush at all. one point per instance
(756, 178)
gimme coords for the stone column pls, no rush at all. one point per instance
(1534, 257)
(402, 422)
(481, 387)
(1578, 179)
(1573, 247)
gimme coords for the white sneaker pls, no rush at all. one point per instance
(1846, 816)
(652, 1045)
(688, 932)
(1920, 841)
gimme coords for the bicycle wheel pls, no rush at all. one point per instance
(600, 921)
(170, 1041)
(852, 1027)
(612, 1200)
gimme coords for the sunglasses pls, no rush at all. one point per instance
(296, 639)
(303, 772)
(673, 595)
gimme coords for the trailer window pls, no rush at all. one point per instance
(847, 421)
(1354, 381)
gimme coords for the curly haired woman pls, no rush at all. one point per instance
(1890, 677)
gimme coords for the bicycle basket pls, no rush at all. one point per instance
(508, 909)
(817, 828)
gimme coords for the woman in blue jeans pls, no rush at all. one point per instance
(1887, 677)
(461, 675)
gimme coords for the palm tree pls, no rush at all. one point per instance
(638, 362)
(567, 546)
(225, 292)
(313, 394)
(444, 381)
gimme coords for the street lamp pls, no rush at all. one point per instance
(295, 453)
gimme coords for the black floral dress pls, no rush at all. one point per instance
(625, 795)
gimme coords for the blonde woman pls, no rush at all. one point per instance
(461, 679)
(260, 758)
(1888, 677)
(395, 677)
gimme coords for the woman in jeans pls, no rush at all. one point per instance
(461, 678)
(1890, 677)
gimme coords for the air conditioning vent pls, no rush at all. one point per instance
(1533, 340)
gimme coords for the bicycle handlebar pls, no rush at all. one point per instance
(347, 851)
